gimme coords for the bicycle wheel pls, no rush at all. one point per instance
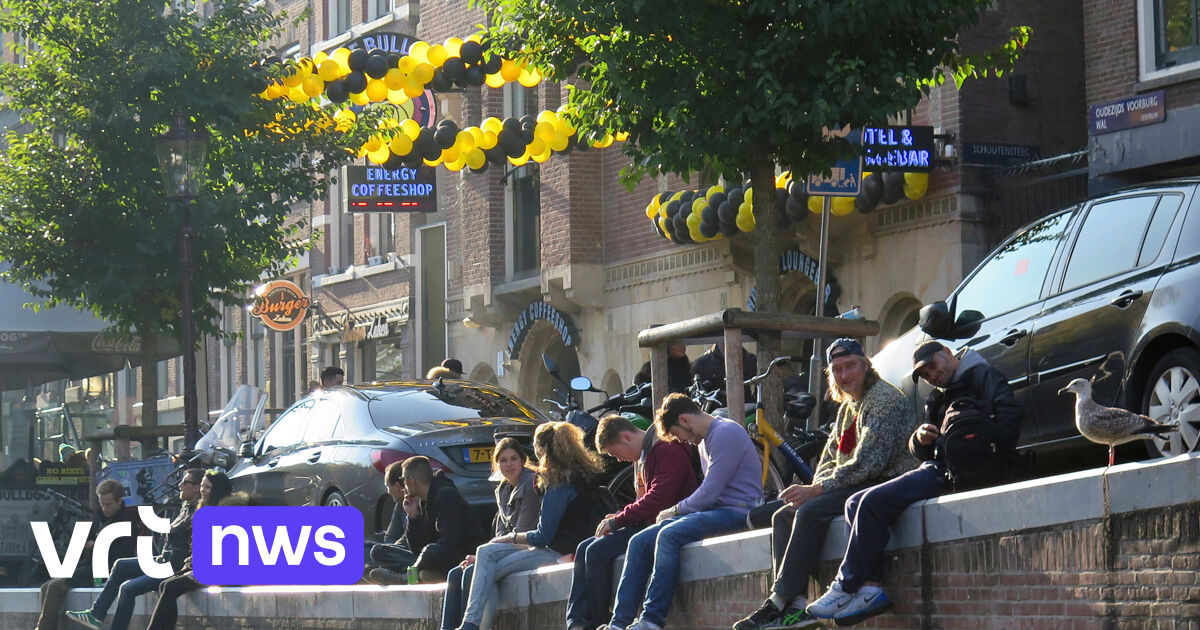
(621, 486)
(774, 484)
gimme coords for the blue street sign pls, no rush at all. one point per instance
(843, 181)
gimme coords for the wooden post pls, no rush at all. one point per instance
(659, 378)
(735, 390)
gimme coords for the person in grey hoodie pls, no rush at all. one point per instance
(856, 593)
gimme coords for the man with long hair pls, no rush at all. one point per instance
(865, 447)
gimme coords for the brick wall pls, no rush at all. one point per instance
(1110, 33)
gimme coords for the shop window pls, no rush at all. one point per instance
(339, 17)
(378, 8)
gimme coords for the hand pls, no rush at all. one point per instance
(670, 512)
(410, 506)
(927, 434)
(604, 528)
(468, 561)
(797, 494)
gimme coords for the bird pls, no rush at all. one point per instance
(1110, 425)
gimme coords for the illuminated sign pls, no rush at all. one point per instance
(281, 305)
(405, 189)
(905, 149)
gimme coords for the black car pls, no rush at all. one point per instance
(332, 446)
(1107, 290)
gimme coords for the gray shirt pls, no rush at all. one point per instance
(517, 508)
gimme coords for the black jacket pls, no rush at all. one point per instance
(978, 380)
(122, 547)
(179, 540)
(581, 517)
(446, 528)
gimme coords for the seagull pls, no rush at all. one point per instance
(1109, 425)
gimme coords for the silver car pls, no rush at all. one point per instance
(332, 446)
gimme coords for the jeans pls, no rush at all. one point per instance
(652, 562)
(458, 587)
(166, 611)
(54, 595)
(870, 512)
(394, 557)
(591, 583)
(493, 561)
(124, 584)
(797, 536)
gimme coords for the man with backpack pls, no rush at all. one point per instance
(663, 476)
(968, 440)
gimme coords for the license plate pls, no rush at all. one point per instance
(478, 454)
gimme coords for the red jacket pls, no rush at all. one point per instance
(670, 479)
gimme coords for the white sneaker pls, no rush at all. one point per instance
(831, 603)
(866, 603)
(642, 624)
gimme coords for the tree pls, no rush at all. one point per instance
(82, 206)
(738, 87)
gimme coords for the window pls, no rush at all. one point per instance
(1175, 32)
(381, 233)
(339, 17)
(162, 378)
(287, 430)
(378, 8)
(1109, 241)
(325, 422)
(1164, 215)
(1014, 276)
(523, 197)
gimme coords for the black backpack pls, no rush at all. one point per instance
(968, 445)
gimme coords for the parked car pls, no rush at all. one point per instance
(332, 446)
(1107, 290)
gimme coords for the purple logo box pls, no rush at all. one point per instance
(260, 545)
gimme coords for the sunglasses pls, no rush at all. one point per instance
(187, 482)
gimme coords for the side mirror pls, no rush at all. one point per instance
(967, 324)
(551, 366)
(581, 384)
(935, 319)
(247, 451)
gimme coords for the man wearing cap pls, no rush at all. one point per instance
(455, 366)
(865, 447)
(856, 594)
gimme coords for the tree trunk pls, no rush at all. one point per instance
(149, 381)
(766, 278)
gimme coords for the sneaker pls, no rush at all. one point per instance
(387, 577)
(831, 603)
(764, 617)
(85, 618)
(863, 606)
(642, 624)
(794, 618)
(609, 626)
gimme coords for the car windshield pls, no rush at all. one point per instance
(452, 402)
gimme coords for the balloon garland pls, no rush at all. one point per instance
(363, 77)
(698, 216)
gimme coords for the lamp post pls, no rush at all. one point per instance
(181, 154)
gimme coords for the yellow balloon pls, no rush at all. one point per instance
(313, 86)
(407, 64)
(397, 97)
(842, 206)
(453, 48)
(377, 90)
(476, 158)
(694, 232)
(297, 94)
(394, 79)
(277, 90)
(436, 55)
(488, 141)
(423, 73)
(328, 70)
(293, 78)
(342, 57)
(320, 57)
(418, 52)
(693, 221)
(662, 224)
(455, 165)
(915, 185)
(509, 70)
(559, 142)
(411, 128)
(476, 135)
(651, 210)
(492, 124)
(434, 162)
(520, 160)
(380, 155)
(464, 142)
(621, 136)
(529, 77)
(476, 37)
(547, 116)
(373, 143)
(749, 194)
(544, 130)
(712, 190)
(494, 80)
(698, 205)
(400, 144)
(745, 221)
(360, 98)
(537, 146)
(413, 92)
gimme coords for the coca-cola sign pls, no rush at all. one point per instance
(109, 344)
(281, 305)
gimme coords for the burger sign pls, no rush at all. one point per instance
(280, 304)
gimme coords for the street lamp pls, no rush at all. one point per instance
(181, 154)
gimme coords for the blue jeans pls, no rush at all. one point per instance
(869, 514)
(493, 561)
(125, 582)
(652, 562)
(458, 587)
(591, 583)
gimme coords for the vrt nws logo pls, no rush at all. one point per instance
(281, 305)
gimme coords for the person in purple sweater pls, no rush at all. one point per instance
(732, 485)
(663, 476)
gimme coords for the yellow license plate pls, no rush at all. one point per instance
(479, 454)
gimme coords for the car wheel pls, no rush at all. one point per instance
(1172, 396)
(334, 498)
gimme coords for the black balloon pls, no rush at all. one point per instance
(481, 169)
(511, 143)
(492, 65)
(679, 222)
(511, 124)
(377, 52)
(865, 204)
(893, 187)
(717, 199)
(528, 120)
(672, 208)
(357, 60)
(495, 155)
(658, 228)
(527, 134)
(475, 76)
(445, 136)
(726, 213)
(471, 52)
(439, 82)
(394, 162)
(735, 196)
(709, 216)
(796, 209)
(336, 91)
(455, 69)
(356, 82)
(709, 230)
(393, 59)
(872, 186)
(376, 66)
(729, 229)
(781, 195)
